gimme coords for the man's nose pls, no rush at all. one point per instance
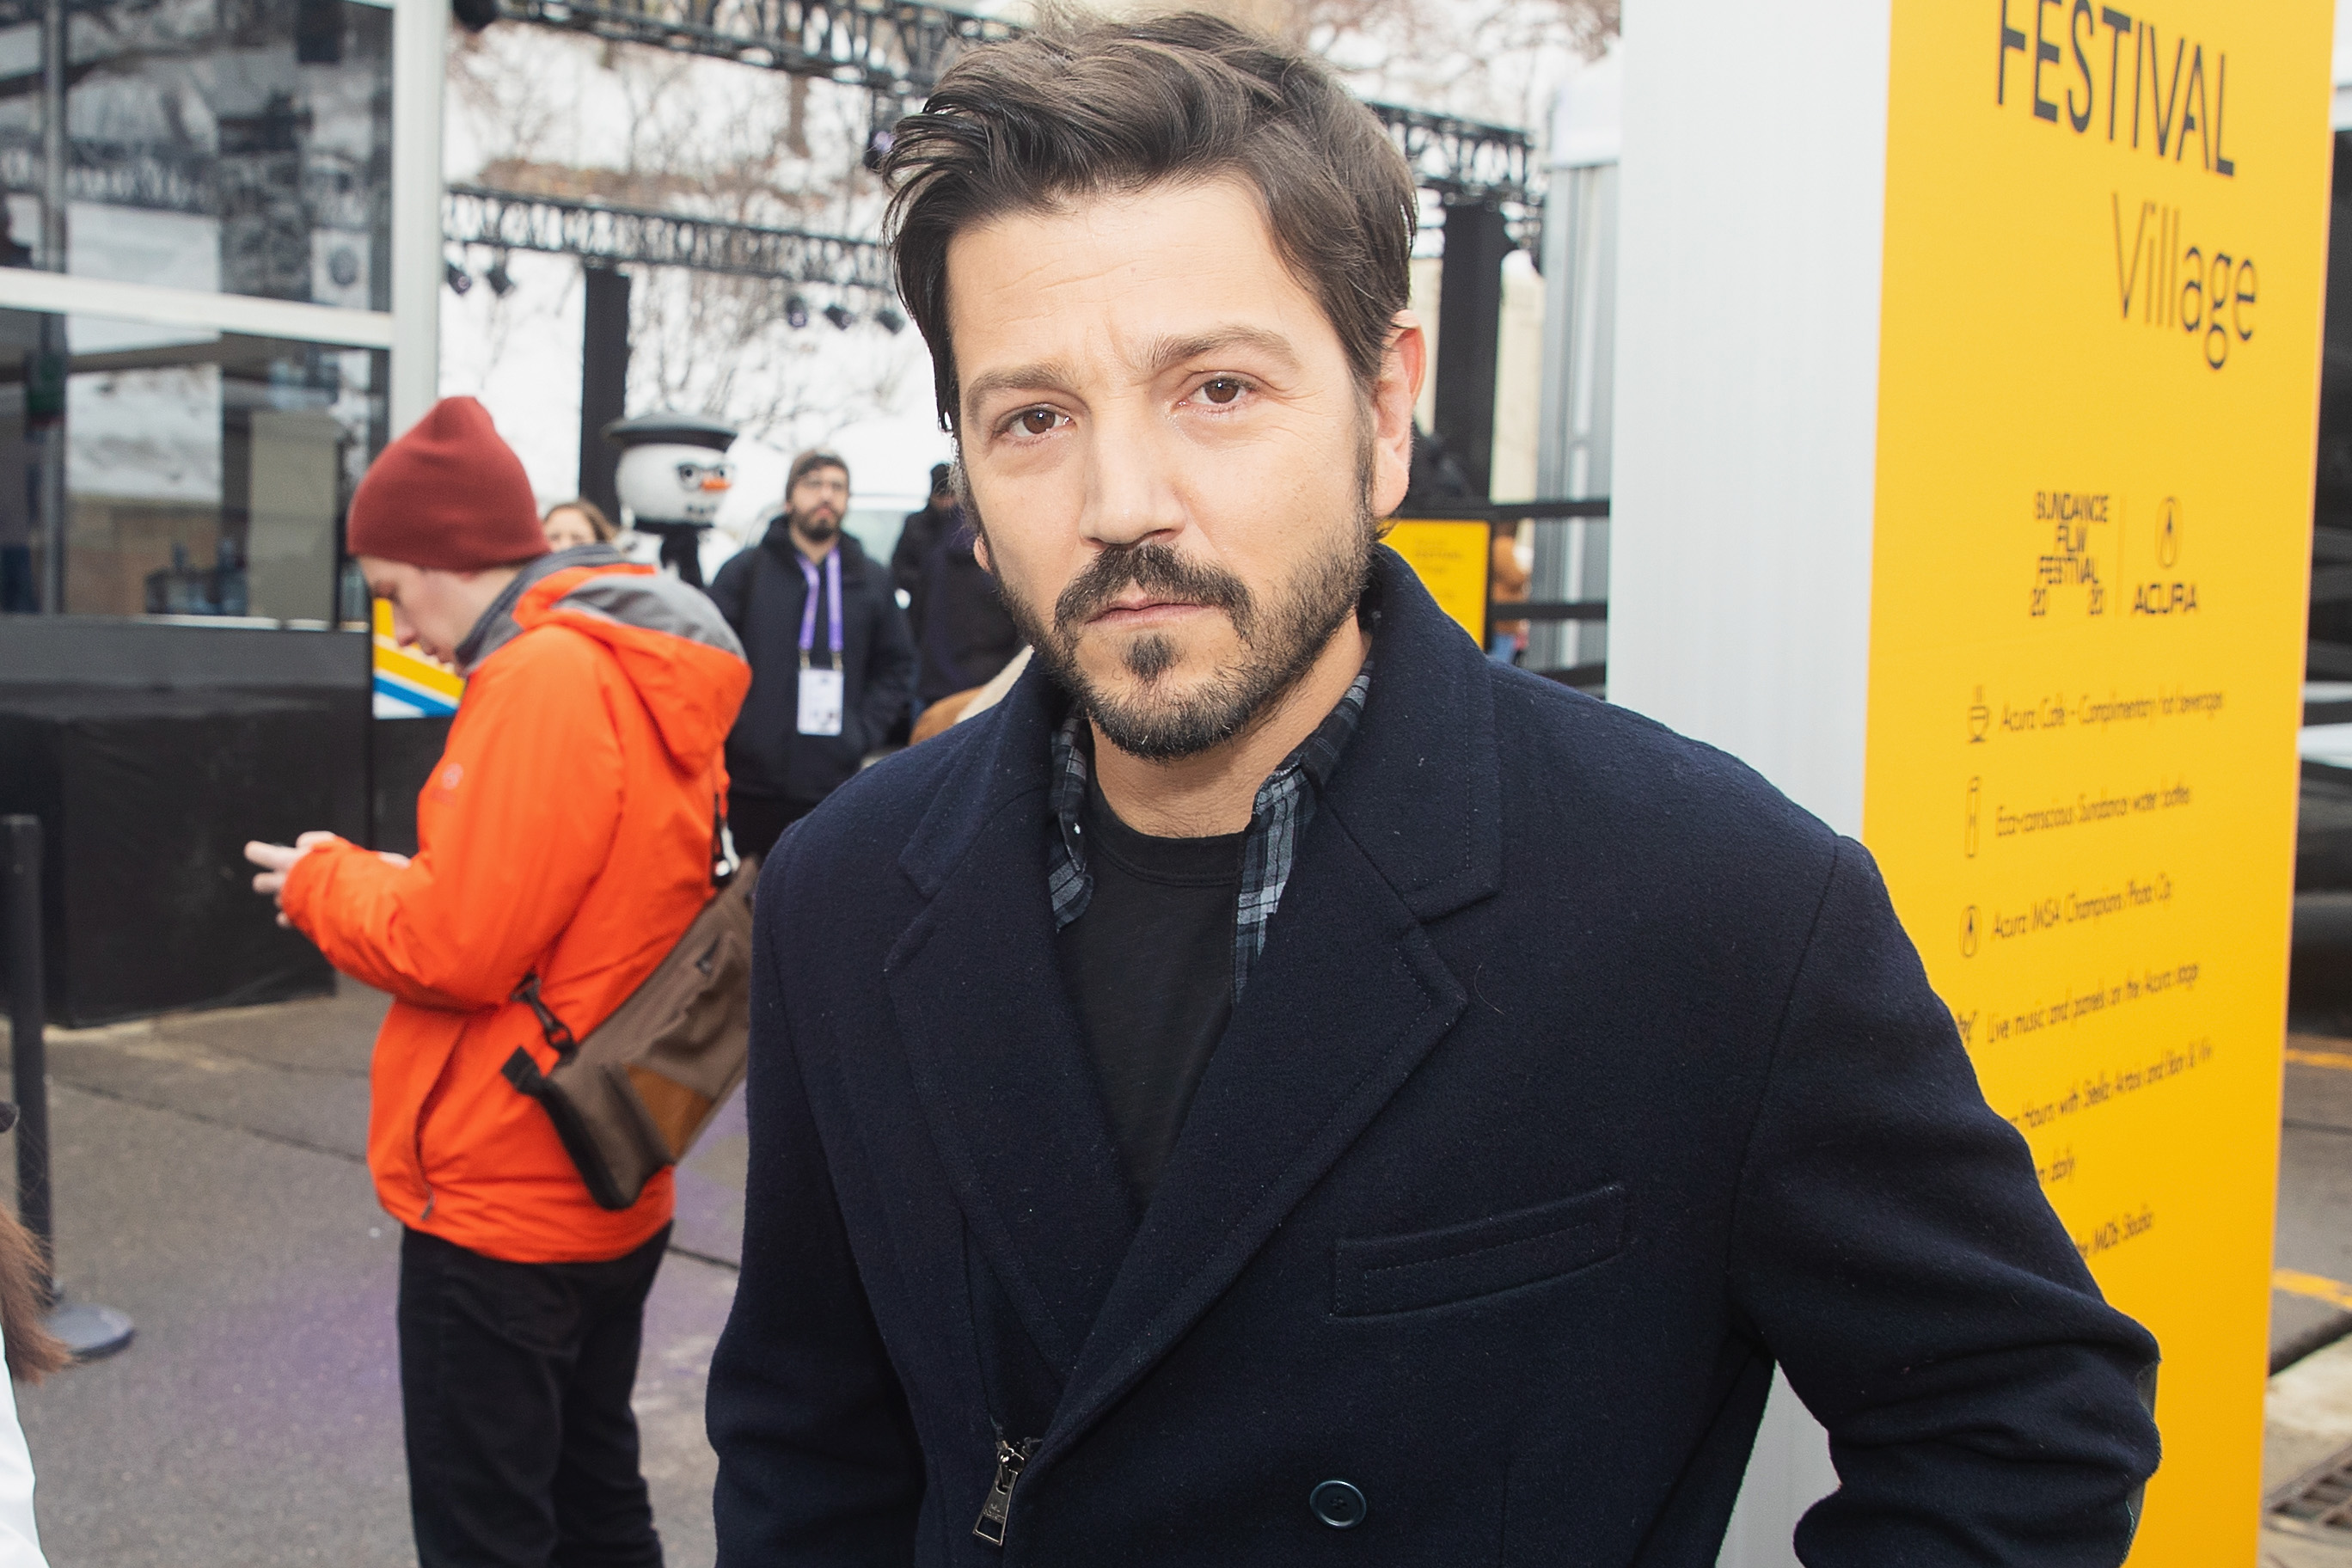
(1132, 492)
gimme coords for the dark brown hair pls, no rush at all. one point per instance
(598, 523)
(808, 462)
(1087, 108)
(32, 1351)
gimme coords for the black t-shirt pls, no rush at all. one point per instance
(1149, 966)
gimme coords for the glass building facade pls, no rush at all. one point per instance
(214, 148)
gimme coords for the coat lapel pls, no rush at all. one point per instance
(1280, 1102)
(994, 1046)
(1410, 830)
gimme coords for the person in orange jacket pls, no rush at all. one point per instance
(565, 841)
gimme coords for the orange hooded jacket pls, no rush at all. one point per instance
(567, 833)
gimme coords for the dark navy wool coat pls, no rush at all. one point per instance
(1583, 1078)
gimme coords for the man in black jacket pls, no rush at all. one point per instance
(918, 541)
(1282, 1089)
(965, 635)
(833, 670)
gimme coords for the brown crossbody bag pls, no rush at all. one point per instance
(633, 1096)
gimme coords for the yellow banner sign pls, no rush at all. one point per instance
(2103, 290)
(1453, 557)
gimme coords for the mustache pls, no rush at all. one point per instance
(1155, 568)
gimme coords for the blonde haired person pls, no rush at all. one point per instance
(33, 1352)
(577, 521)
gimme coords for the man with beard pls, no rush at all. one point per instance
(833, 669)
(1281, 1088)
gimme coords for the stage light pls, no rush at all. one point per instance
(889, 320)
(840, 316)
(501, 281)
(796, 312)
(460, 280)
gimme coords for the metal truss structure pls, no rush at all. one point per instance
(892, 48)
(896, 49)
(616, 237)
(1469, 161)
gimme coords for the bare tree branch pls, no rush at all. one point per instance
(693, 135)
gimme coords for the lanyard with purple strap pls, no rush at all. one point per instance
(808, 611)
(821, 691)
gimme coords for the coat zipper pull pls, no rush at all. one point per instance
(1010, 1458)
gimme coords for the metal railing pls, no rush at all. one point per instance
(1594, 508)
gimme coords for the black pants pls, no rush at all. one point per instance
(757, 821)
(515, 1380)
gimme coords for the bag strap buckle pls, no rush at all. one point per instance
(558, 1033)
(724, 861)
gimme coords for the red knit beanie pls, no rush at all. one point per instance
(448, 494)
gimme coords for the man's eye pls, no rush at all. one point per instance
(1038, 421)
(1222, 390)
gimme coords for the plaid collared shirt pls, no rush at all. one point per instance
(1284, 806)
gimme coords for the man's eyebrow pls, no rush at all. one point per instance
(1158, 357)
(1043, 376)
(1165, 353)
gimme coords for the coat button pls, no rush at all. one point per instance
(1337, 1504)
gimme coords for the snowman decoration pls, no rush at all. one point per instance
(673, 476)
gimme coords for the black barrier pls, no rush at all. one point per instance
(87, 1330)
(1592, 508)
(402, 756)
(1589, 677)
(1588, 507)
(28, 1058)
(152, 753)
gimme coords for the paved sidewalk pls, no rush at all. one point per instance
(2315, 1190)
(2308, 1406)
(210, 1181)
(2307, 1421)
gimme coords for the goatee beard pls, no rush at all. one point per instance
(1280, 640)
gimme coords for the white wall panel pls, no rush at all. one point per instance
(1754, 178)
(1751, 209)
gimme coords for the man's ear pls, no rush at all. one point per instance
(960, 483)
(1403, 364)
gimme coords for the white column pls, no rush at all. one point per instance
(420, 38)
(1750, 212)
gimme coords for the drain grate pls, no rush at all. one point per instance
(2321, 1497)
